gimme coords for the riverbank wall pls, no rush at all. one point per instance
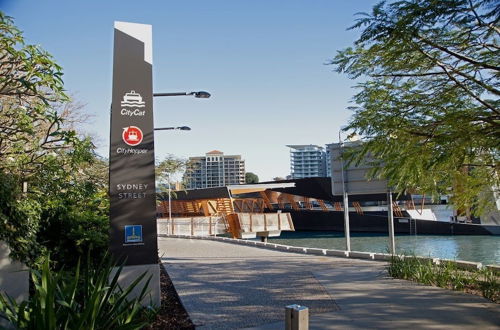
(384, 257)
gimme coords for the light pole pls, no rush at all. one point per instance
(344, 197)
(169, 200)
(182, 128)
(199, 95)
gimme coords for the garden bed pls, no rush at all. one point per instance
(172, 314)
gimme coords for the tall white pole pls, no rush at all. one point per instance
(170, 205)
(347, 230)
(346, 223)
(390, 218)
(169, 200)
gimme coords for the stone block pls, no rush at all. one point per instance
(382, 256)
(494, 268)
(282, 247)
(337, 253)
(320, 252)
(468, 265)
(361, 255)
(426, 259)
(297, 249)
(465, 265)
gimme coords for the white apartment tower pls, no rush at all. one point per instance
(307, 161)
(214, 170)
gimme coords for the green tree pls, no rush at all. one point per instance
(251, 178)
(30, 84)
(165, 170)
(73, 193)
(64, 209)
(428, 105)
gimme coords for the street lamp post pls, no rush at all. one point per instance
(390, 219)
(169, 200)
(199, 95)
(182, 128)
(345, 198)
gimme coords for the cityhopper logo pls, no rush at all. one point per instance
(132, 135)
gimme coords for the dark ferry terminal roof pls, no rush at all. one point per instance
(318, 188)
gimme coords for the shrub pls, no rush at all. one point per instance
(446, 275)
(88, 299)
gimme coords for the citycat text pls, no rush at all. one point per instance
(135, 112)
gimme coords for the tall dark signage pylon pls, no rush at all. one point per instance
(131, 159)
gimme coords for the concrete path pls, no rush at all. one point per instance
(229, 286)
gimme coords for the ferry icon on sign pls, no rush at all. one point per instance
(132, 135)
(133, 99)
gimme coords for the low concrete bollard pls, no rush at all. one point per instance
(296, 317)
(297, 249)
(494, 268)
(468, 265)
(382, 256)
(426, 259)
(320, 252)
(361, 255)
(337, 253)
(281, 247)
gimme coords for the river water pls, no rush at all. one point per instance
(485, 249)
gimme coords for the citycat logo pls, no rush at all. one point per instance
(134, 101)
(132, 135)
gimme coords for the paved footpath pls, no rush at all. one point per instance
(229, 286)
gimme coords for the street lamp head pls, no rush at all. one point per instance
(201, 94)
(182, 128)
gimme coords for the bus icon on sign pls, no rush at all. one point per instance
(132, 135)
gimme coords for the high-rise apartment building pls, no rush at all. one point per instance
(307, 161)
(214, 170)
(328, 160)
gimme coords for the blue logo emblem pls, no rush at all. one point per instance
(133, 234)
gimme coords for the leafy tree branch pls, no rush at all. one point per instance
(428, 105)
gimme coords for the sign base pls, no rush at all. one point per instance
(130, 273)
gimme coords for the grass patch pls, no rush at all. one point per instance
(484, 282)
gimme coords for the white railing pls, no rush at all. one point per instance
(193, 226)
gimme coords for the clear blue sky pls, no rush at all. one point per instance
(262, 61)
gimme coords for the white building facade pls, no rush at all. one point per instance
(307, 161)
(214, 170)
